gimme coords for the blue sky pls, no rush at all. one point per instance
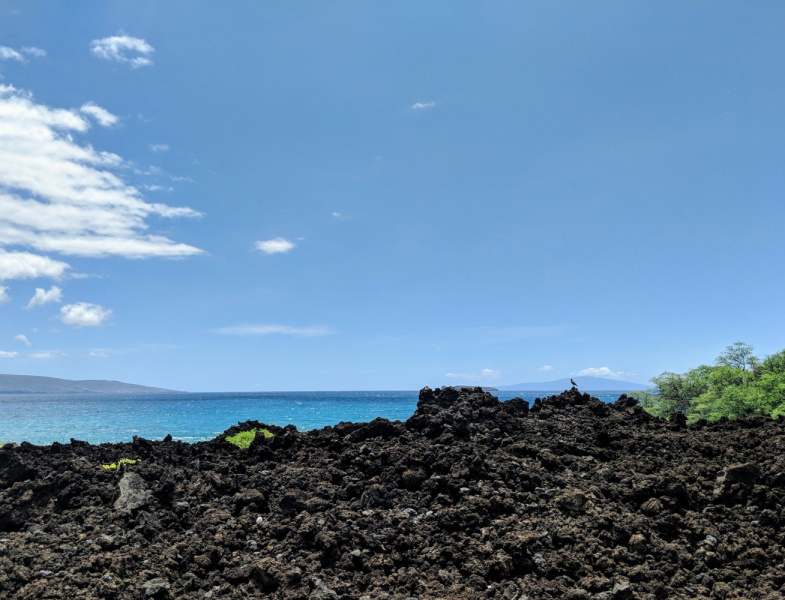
(357, 195)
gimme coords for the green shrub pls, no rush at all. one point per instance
(739, 385)
(122, 461)
(244, 438)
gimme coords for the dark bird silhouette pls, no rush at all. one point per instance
(572, 381)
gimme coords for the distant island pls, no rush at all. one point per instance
(30, 384)
(585, 384)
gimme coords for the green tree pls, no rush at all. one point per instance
(738, 356)
(772, 379)
(774, 364)
(740, 385)
(674, 392)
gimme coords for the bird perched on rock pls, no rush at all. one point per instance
(572, 381)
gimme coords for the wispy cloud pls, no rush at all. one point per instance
(55, 294)
(158, 188)
(546, 368)
(4, 354)
(4, 295)
(33, 51)
(84, 314)
(103, 116)
(314, 331)
(159, 147)
(22, 338)
(48, 354)
(421, 105)
(277, 245)
(7, 53)
(604, 372)
(336, 215)
(57, 195)
(116, 48)
(485, 374)
(100, 352)
(152, 170)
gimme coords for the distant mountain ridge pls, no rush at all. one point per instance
(31, 384)
(585, 384)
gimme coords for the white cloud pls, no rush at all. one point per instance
(314, 331)
(274, 246)
(604, 372)
(336, 214)
(24, 265)
(158, 188)
(7, 53)
(151, 171)
(115, 48)
(23, 339)
(59, 196)
(103, 116)
(421, 105)
(490, 374)
(55, 294)
(159, 147)
(33, 51)
(484, 374)
(4, 354)
(84, 314)
(99, 352)
(3, 295)
(48, 354)
(546, 368)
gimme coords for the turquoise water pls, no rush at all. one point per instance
(98, 418)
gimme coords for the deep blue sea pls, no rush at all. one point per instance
(98, 418)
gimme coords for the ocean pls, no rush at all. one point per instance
(99, 418)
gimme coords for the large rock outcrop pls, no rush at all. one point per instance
(469, 498)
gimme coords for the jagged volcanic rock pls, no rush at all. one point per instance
(470, 498)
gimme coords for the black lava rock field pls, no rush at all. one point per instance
(469, 498)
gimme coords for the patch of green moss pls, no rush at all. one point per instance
(122, 461)
(244, 438)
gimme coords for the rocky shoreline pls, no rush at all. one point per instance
(469, 498)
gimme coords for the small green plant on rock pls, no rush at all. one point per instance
(122, 461)
(243, 439)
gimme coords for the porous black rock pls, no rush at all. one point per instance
(469, 498)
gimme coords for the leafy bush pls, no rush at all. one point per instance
(244, 438)
(739, 385)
